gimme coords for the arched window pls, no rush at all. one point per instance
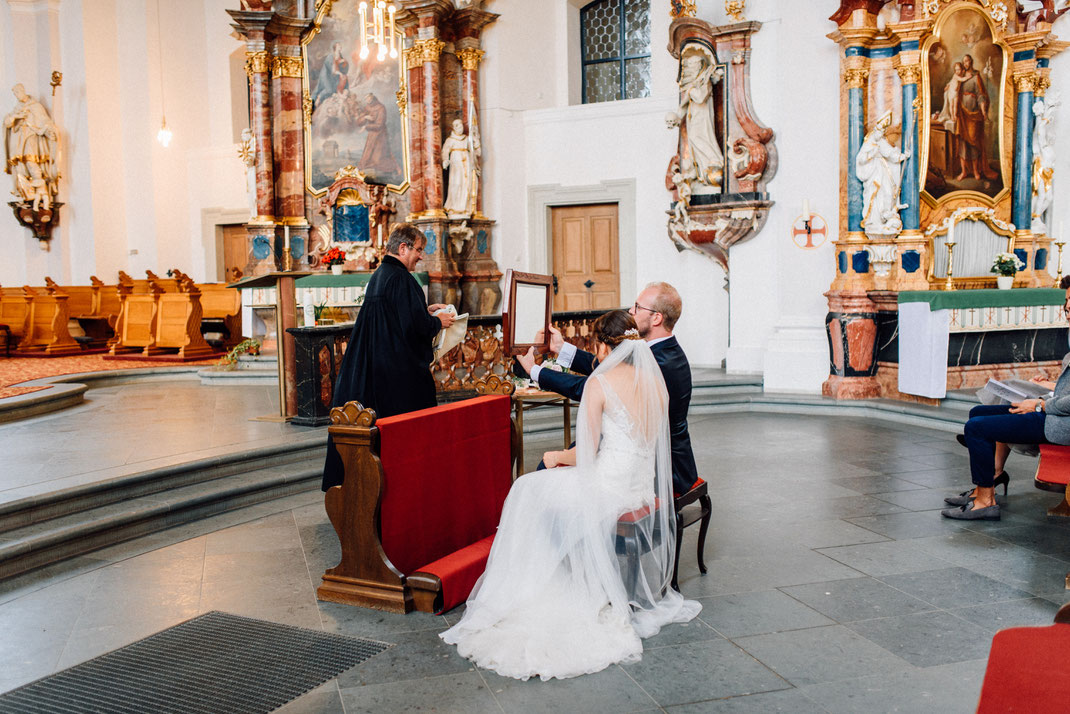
(615, 40)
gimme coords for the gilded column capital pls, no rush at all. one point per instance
(855, 77)
(256, 62)
(909, 73)
(1042, 84)
(286, 67)
(1025, 82)
(427, 50)
(470, 58)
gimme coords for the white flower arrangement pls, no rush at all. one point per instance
(1006, 264)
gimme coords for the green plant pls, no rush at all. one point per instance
(249, 346)
(1006, 264)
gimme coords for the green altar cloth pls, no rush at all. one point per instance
(347, 280)
(952, 299)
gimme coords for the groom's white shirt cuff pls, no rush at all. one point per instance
(564, 358)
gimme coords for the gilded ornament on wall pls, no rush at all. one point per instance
(682, 8)
(855, 78)
(256, 62)
(286, 67)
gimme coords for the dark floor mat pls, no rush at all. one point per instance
(215, 663)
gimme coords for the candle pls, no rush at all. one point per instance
(951, 233)
(380, 242)
(806, 210)
(286, 245)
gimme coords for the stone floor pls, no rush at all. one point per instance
(834, 586)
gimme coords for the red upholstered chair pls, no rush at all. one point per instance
(1027, 669)
(699, 493)
(1053, 474)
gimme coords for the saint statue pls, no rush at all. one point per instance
(460, 156)
(1043, 161)
(877, 167)
(247, 152)
(697, 119)
(31, 141)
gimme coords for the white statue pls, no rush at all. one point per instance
(697, 118)
(1043, 161)
(31, 142)
(247, 152)
(460, 155)
(877, 167)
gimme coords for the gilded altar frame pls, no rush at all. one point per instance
(313, 187)
(1004, 121)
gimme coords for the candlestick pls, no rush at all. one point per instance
(287, 258)
(1059, 277)
(951, 233)
(949, 284)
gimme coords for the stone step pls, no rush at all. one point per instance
(41, 507)
(80, 532)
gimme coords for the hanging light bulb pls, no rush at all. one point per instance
(164, 134)
(379, 29)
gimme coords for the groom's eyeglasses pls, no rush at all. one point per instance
(637, 306)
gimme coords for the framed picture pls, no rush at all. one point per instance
(354, 108)
(527, 311)
(965, 80)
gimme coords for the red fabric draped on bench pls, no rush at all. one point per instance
(447, 473)
(1027, 671)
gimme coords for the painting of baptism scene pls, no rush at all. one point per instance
(520, 356)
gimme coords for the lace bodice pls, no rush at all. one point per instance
(625, 460)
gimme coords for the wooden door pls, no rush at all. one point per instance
(234, 258)
(585, 257)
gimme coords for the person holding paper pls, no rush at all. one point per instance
(992, 427)
(655, 311)
(385, 366)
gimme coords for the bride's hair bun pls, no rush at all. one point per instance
(614, 327)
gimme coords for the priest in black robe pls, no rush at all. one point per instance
(386, 366)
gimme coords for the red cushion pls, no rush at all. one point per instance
(634, 516)
(1054, 466)
(698, 482)
(459, 571)
(447, 471)
(1027, 671)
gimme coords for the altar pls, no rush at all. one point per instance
(998, 329)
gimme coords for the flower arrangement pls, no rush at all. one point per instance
(1006, 264)
(334, 256)
(248, 346)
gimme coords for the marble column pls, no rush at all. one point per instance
(855, 77)
(470, 57)
(912, 248)
(431, 49)
(415, 110)
(1022, 193)
(260, 229)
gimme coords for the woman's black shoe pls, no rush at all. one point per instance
(966, 496)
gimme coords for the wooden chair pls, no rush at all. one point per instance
(699, 493)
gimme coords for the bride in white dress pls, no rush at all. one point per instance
(580, 567)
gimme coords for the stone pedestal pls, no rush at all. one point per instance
(318, 355)
(480, 279)
(852, 331)
(445, 279)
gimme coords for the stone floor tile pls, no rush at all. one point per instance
(887, 558)
(953, 587)
(459, 693)
(927, 639)
(415, 655)
(679, 633)
(376, 624)
(948, 689)
(820, 654)
(876, 484)
(785, 701)
(609, 691)
(1039, 538)
(902, 526)
(325, 699)
(700, 671)
(856, 599)
(788, 566)
(921, 499)
(757, 613)
(1032, 612)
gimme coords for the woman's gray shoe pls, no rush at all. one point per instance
(965, 513)
(967, 497)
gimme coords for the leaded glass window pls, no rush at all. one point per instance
(615, 41)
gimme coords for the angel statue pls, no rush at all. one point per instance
(877, 167)
(1043, 160)
(697, 119)
(247, 153)
(460, 156)
(31, 142)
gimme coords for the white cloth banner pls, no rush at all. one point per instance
(923, 342)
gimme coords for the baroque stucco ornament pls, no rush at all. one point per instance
(718, 176)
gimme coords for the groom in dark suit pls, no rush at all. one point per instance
(656, 311)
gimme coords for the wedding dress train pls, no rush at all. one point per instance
(559, 598)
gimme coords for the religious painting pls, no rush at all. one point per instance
(965, 76)
(352, 117)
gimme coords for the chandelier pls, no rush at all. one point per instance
(380, 29)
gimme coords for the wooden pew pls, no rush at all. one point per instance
(178, 324)
(46, 323)
(222, 306)
(13, 311)
(415, 524)
(135, 328)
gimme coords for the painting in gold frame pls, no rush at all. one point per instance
(353, 115)
(964, 68)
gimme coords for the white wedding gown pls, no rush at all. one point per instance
(553, 601)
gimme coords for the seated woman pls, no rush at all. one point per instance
(563, 594)
(992, 427)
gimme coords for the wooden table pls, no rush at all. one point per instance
(530, 398)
